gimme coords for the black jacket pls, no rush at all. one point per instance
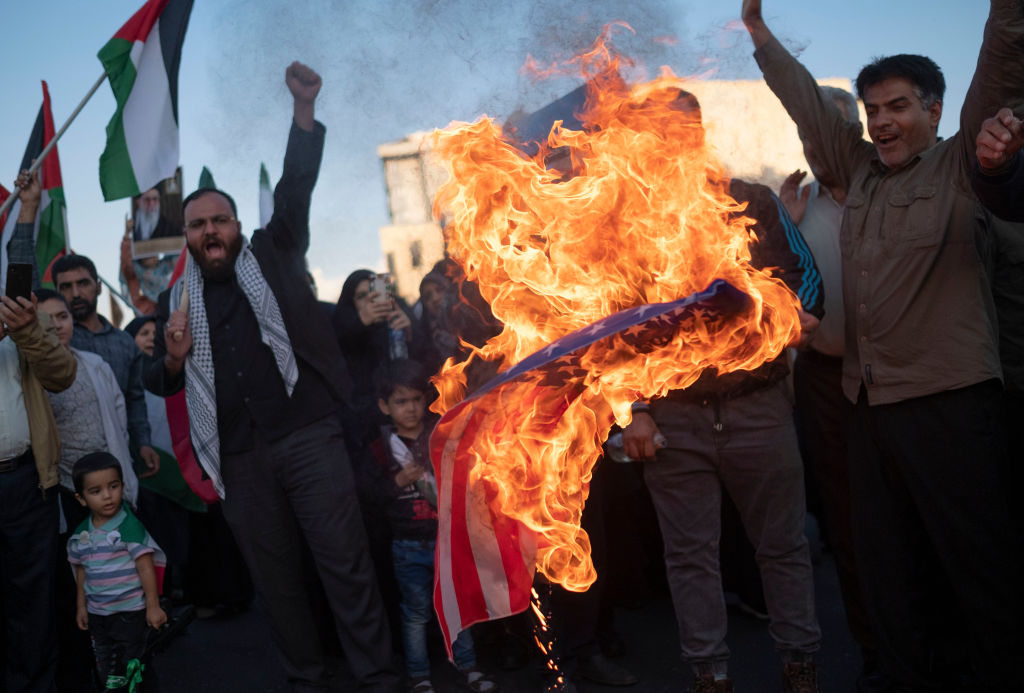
(280, 249)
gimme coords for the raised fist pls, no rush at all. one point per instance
(303, 82)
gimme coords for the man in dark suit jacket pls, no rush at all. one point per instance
(263, 381)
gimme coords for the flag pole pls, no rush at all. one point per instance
(53, 143)
(121, 296)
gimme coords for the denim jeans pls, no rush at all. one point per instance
(414, 571)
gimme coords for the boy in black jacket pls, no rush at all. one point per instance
(407, 491)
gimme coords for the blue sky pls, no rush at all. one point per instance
(393, 68)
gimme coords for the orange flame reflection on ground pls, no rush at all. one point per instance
(646, 218)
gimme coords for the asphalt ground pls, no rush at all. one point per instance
(236, 653)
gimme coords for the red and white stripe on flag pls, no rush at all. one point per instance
(484, 561)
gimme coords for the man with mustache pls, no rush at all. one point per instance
(76, 279)
(936, 549)
(263, 378)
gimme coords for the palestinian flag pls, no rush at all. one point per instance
(51, 225)
(266, 197)
(141, 63)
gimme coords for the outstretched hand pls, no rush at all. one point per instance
(795, 199)
(1000, 138)
(18, 312)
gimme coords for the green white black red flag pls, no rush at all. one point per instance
(141, 62)
(51, 223)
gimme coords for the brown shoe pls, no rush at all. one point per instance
(800, 677)
(708, 684)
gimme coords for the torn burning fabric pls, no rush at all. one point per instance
(485, 560)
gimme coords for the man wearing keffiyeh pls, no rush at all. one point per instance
(263, 383)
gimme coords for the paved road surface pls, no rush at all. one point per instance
(237, 654)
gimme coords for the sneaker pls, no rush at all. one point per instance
(421, 684)
(603, 671)
(800, 677)
(478, 682)
(708, 684)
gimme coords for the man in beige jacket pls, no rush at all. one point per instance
(31, 360)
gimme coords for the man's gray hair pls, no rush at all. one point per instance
(845, 100)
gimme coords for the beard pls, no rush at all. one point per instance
(82, 309)
(217, 269)
(145, 223)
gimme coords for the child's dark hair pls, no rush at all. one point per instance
(401, 373)
(47, 294)
(93, 462)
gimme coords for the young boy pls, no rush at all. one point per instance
(115, 563)
(408, 492)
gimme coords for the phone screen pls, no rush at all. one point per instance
(19, 280)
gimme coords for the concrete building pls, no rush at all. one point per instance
(413, 242)
(745, 124)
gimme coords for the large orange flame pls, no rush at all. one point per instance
(644, 217)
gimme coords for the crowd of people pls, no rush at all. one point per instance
(892, 421)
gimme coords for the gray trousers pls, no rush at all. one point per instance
(748, 446)
(302, 486)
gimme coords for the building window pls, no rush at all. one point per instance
(416, 251)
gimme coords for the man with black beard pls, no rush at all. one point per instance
(76, 279)
(264, 382)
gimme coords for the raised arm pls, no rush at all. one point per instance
(999, 77)
(760, 34)
(838, 142)
(50, 361)
(22, 246)
(289, 225)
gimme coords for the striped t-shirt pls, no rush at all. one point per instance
(108, 554)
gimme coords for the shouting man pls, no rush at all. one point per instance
(263, 384)
(936, 550)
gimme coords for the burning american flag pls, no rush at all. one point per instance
(621, 275)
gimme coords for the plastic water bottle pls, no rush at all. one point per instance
(617, 452)
(397, 346)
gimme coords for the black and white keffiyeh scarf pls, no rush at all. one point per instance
(200, 390)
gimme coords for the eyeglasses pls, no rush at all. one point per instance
(220, 221)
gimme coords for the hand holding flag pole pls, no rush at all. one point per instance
(52, 143)
(183, 304)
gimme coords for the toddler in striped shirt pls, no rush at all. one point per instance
(117, 569)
